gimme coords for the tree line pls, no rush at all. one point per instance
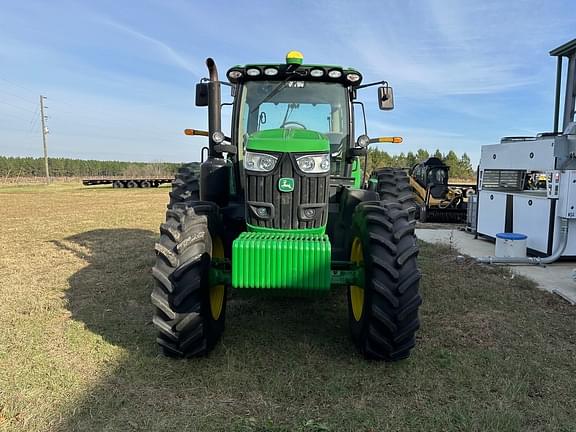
(64, 167)
(460, 167)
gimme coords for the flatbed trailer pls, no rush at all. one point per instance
(130, 183)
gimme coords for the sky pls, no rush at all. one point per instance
(119, 76)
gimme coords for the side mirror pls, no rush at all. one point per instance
(202, 94)
(385, 98)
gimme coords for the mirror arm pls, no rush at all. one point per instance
(207, 80)
(384, 83)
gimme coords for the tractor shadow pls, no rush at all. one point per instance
(265, 337)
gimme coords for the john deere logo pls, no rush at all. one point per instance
(286, 184)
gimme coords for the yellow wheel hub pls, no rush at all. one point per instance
(216, 292)
(356, 292)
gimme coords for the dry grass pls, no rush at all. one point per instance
(77, 350)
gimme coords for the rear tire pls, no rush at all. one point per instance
(394, 185)
(117, 184)
(189, 313)
(383, 313)
(131, 184)
(145, 184)
(185, 186)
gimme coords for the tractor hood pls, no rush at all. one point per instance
(288, 140)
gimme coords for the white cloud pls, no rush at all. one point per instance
(434, 48)
(171, 55)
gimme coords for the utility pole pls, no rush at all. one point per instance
(44, 133)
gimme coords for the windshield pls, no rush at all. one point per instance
(438, 176)
(317, 106)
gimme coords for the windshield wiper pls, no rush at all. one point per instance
(273, 93)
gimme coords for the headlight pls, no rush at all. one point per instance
(252, 72)
(218, 137)
(234, 75)
(259, 162)
(271, 71)
(317, 73)
(334, 73)
(314, 163)
(353, 77)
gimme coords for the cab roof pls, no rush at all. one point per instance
(297, 72)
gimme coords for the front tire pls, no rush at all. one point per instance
(383, 308)
(190, 311)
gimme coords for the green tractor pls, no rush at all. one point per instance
(282, 206)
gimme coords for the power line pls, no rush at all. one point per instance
(13, 115)
(17, 85)
(44, 133)
(16, 106)
(34, 120)
(18, 96)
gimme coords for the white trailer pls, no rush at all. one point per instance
(528, 184)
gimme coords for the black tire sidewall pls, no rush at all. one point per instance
(360, 230)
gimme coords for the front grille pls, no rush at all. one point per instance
(286, 210)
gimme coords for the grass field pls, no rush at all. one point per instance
(77, 349)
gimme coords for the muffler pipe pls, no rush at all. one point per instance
(214, 106)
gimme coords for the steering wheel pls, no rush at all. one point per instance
(283, 125)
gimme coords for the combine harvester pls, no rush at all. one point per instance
(281, 206)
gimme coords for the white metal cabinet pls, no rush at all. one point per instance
(532, 155)
(531, 216)
(491, 212)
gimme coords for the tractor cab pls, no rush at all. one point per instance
(432, 174)
(297, 108)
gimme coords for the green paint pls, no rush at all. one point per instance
(341, 274)
(258, 229)
(348, 277)
(294, 60)
(288, 140)
(283, 261)
(357, 173)
(286, 184)
(219, 273)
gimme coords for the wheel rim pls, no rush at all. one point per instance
(357, 292)
(216, 292)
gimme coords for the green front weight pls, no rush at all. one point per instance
(290, 261)
(341, 273)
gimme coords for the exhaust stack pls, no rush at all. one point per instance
(214, 171)
(214, 102)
